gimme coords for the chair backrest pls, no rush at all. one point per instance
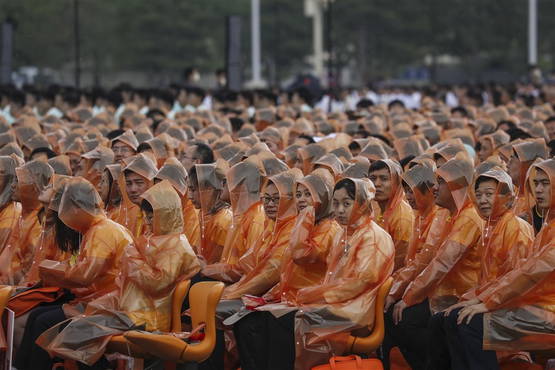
(178, 297)
(370, 343)
(203, 300)
(5, 294)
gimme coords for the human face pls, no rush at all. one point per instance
(194, 195)
(190, 157)
(136, 185)
(75, 163)
(409, 194)
(16, 196)
(270, 201)
(485, 195)
(46, 195)
(542, 190)
(303, 198)
(121, 151)
(382, 182)
(550, 127)
(486, 150)
(442, 194)
(514, 169)
(148, 217)
(104, 187)
(343, 206)
(272, 145)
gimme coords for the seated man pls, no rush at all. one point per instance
(392, 213)
(138, 176)
(124, 146)
(452, 271)
(516, 312)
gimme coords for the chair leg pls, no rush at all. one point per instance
(168, 365)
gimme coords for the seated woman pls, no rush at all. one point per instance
(516, 311)
(175, 173)
(205, 188)
(91, 275)
(304, 264)
(149, 273)
(505, 243)
(17, 256)
(344, 300)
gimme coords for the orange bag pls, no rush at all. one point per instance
(351, 362)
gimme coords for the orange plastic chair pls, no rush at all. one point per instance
(203, 299)
(5, 294)
(367, 345)
(118, 343)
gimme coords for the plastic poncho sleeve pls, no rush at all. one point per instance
(464, 234)
(95, 258)
(363, 275)
(304, 248)
(266, 272)
(155, 269)
(522, 280)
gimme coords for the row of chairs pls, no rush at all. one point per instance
(204, 298)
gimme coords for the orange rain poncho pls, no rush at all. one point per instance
(113, 205)
(98, 265)
(261, 264)
(9, 210)
(314, 235)
(215, 215)
(398, 217)
(522, 302)
(159, 261)
(175, 173)
(244, 182)
(48, 246)
(507, 239)
(130, 214)
(61, 165)
(455, 268)
(95, 162)
(430, 220)
(149, 273)
(310, 154)
(24, 240)
(345, 300)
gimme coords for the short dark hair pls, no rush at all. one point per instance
(308, 138)
(143, 147)
(394, 103)
(550, 119)
(348, 185)
(204, 152)
(403, 162)
(482, 179)
(146, 206)
(49, 152)
(517, 133)
(364, 103)
(115, 133)
(461, 110)
(376, 166)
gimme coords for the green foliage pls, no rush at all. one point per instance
(377, 37)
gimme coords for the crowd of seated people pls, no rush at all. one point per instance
(109, 201)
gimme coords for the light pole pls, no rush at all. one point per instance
(77, 43)
(255, 45)
(532, 32)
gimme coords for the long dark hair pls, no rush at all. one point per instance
(68, 240)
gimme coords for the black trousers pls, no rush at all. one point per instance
(266, 342)
(466, 344)
(410, 335)
(30, 356)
